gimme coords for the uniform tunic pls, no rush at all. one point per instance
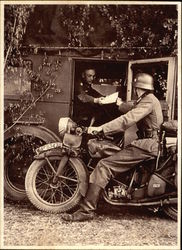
(84, 107)
(147, 115)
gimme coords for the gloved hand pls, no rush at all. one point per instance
(119, 101)
(91, 130)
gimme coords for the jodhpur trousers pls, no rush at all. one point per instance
(119, 162)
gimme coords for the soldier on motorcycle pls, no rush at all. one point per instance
(146, 113)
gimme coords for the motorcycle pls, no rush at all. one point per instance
(58, 177)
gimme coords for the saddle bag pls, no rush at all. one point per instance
(163, 179)
(156, 186)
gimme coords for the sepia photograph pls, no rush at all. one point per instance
(90, 125)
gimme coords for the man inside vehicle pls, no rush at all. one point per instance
(146, 113)
(86, 99)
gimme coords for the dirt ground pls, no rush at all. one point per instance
(24, 225)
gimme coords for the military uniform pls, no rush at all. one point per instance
(147, 114)
(84, 107)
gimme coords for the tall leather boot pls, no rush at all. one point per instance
(87, 206)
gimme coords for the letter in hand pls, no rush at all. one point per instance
(94, 130)
(109, 98)
(119, 101)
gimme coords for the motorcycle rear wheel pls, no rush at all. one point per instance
(171, 211)
(49, 196)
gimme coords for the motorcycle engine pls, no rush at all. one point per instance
(118, 192)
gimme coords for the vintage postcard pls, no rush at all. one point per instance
(90, 125)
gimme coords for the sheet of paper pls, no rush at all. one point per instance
(110, 98)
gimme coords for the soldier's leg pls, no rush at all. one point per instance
(105, 169)
(119, 162)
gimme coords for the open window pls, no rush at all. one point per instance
(110, 75)
(164, 71)
(110, 78)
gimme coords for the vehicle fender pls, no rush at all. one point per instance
(49, 153)
(37, 131)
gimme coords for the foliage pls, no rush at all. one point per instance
(16, 18)
(151, 29)
(83, 25)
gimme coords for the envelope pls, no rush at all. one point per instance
(110, 98)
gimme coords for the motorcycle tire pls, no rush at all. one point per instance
(171, 211)
(57, 197)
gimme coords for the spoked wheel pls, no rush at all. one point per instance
(171, 211)
(53, 194)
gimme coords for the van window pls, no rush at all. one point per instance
(110, 77)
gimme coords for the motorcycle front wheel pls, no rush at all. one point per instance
(55, 196)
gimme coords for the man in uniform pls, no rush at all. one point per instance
(87, 98)
(146, 113)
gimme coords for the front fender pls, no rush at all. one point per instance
(53, 152)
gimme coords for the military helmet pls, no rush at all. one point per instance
(144, 81)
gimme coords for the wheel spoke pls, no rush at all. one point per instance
(69, 174)
(44, 192)
(46, 172)
(67, 178)
(60, 191)
(63, 195)
(51, 197)
(40, 183)
(69, 189)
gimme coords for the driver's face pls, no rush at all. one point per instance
(89, 76)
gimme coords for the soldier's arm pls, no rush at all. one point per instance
(130, 118)
(124, 107)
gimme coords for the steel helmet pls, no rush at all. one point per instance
(144, 81)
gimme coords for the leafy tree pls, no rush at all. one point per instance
(144, 30)
(147, 30)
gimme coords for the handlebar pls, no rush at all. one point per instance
(99, 135)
